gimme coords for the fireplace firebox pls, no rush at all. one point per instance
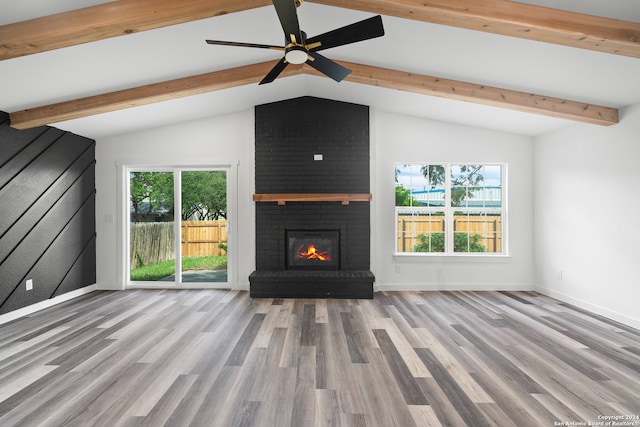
(313, 249)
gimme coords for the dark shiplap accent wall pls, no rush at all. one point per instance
(288, 134)
(47, 214)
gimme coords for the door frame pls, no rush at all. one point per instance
(124, 168)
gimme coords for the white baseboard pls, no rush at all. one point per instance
(594, 308)
(25, 311)
(453, 287)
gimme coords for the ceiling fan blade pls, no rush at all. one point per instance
(327, 67)
(368, 29)
(288, 15)
(240, 44)
(275, 71)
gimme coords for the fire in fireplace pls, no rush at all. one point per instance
(313, 249)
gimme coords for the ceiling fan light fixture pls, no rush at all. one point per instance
(296, 55)
(298, 50)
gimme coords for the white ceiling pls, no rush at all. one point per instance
(430, 49)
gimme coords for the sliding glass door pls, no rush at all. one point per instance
(204, 226)
(151, 226)
(177, 223)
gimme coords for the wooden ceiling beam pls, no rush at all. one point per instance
(480, 94)
(117, 18)
(515, 19)
(143, 95)
(504, 17)
(364, 74)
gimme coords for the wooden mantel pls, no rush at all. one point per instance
(282, 199)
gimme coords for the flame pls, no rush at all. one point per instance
(312, 253)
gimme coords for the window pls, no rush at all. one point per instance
(450, 208)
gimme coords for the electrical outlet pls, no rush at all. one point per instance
(29, 284)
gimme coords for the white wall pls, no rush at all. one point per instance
(398, 138)
(220, 141)
(395, 138)
(587, 240)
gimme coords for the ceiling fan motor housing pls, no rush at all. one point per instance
(295, 50)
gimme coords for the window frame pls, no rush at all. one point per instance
(449, 211)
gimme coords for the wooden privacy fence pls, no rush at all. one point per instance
(153, 242)
(488, 226)
(202, 238)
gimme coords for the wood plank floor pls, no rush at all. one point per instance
(220, 358)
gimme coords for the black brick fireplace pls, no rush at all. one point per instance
(312, 200)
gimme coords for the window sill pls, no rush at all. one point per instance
(453, 258)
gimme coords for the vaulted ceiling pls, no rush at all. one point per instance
(102, 68)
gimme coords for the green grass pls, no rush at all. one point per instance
(157, 271)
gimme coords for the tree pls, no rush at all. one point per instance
(431, 242)
(204, 195)
(467, 242)
(461, 179)
(434, 174)
(402, 196)
(462, 242)
(150, 192)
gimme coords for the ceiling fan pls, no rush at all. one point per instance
(299, 49)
